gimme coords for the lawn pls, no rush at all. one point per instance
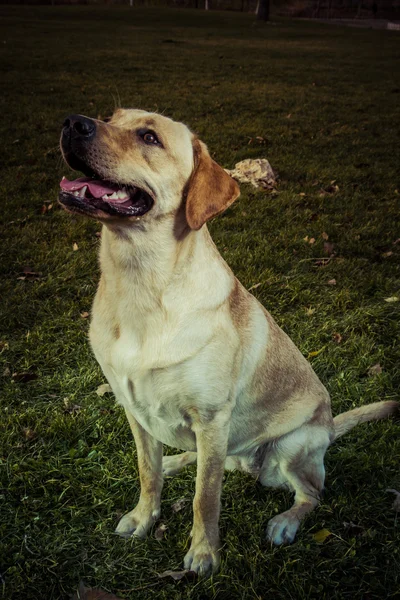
(323, 105)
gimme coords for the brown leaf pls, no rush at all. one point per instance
(177, 575)
(75, 247)
(6, 372)
(29, 434)
(353, 529)
(71, 408)
(105, 388)
(160, 531)
(332, 282)
(28, 273)
(311, 241)
(387, 254)
(3, 346)
(337, 337)
(325, 236)
(328, 247)
(84, 314)
(179, 504)
(375, 370)
(84, 593)
(24, 377)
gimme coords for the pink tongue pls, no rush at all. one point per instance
(96, 188)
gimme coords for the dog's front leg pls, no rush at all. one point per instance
(211, 442)
(149, 452)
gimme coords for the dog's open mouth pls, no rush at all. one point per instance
(94, 196)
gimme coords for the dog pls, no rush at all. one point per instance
(195, 360)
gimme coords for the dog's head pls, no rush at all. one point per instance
(141, 166)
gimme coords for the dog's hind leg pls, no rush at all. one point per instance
(171, 465)
(296, 462)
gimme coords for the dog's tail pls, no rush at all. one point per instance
(372, 412)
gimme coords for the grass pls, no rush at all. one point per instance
(326, 103)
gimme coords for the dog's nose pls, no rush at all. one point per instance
(78, 126)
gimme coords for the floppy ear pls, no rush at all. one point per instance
(210, 189)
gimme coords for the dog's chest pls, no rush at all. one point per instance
(151, 376)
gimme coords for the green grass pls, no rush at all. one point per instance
(67, 476)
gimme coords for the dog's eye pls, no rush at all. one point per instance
(149, 137)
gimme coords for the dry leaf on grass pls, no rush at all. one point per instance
(332, 282)
(325, 236)
(71, 408)
(310, 311)
(392, 299)
(105, 388)
(84, 314)
(179, 504)
(321, 535)
(24, 377)
(160, 531)
(75, 247)
(375, 370)
(84, 593)
(337, 337)
(29, 434)
(329, 247)
(387, 254)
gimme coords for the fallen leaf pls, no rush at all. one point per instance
(305, 239)
(71, 408)
(387, 254)
(177, 575)
(84, 593)
(337, 338)
(3, 346)
(29, 434)
(160, 531)
(24, 377)
(328, 247)
(353, 529)
(302, 194)
(315, 352)
(310, 311)
(6, 372)
(311, 241)
(105, 388)
(325, 236)
(255, 286)
(396, 242)
(375, 370)
(84, 314)
(396, 503)
(179, 504)
(392, 299)
(332, 282)
(289, 116)
(75, 246)
(321, 535)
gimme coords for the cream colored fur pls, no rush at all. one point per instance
(197, 363)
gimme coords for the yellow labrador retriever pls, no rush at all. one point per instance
(195, 360)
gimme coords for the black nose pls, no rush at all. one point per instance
(78, 126)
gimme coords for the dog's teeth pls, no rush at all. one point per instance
(76, 193)
(113, 196)
(83, 191)
(122, 194)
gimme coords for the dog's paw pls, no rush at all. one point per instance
(202, 558)
(171, 465)
(282, 529)
(137, 522)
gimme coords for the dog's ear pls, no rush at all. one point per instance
(210, 189)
